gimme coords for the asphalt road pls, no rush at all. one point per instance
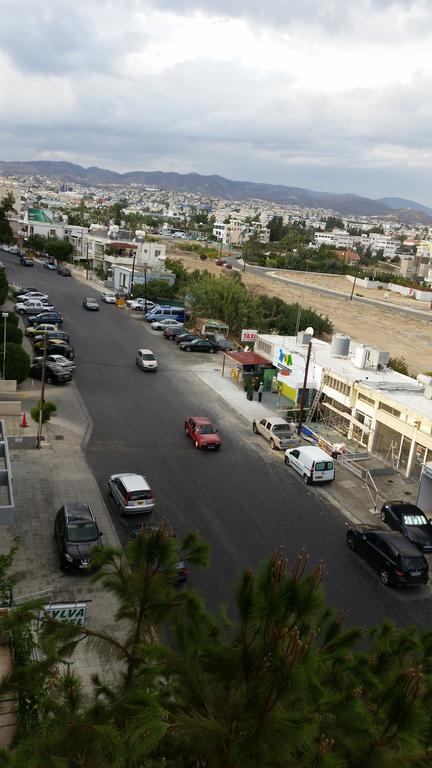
(242, 499)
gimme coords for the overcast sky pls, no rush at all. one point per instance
(324, 94)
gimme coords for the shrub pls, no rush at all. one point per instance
(48, 409)
(17, 362)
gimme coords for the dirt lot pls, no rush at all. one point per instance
(401, 336)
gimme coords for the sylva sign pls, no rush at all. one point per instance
(73, 612)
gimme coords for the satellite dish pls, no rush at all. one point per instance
(310, 331)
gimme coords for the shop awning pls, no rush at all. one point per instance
(248, 358)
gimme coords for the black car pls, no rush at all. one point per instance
(55, 347)
(181, 568)
(54, 374)
(398, 562)
(199, 345)
(45, 317)
(171, 333)
(409, 520)
(65, 271)
(90, 304)
(62, 335)
(21, 290)
(77, 534)
(180, 337)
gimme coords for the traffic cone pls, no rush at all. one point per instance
(23, 420)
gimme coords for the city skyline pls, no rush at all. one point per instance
(316, 95)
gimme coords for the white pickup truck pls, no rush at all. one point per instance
(33, 307)
(277, 431)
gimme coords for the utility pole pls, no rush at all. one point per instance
(303, 394)
(145, 291)
(87, 262)
(355, 280)
(42, 395)
(5, 315)
(132, 276)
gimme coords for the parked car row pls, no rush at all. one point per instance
(44, 323)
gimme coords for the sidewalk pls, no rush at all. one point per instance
(347, 492)
(43, 480)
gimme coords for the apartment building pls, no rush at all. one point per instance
(105, 249)
(236, 232)
(338, 238)
(384, 412)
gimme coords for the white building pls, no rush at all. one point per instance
(385, 412)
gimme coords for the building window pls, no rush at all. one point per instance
(157, 253)
(388, 409)
(364, 399)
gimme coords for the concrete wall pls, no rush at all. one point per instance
(8, 386)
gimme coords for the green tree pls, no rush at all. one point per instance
(398, 364)
(61, 250)
(17, 362)
(4, 287)
(333, 222)
(276, 228)
(37, 242)
(225, 299)
(7, 206)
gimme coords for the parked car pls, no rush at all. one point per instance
(181, 568)
(228, 266)
(33, 307)
(55, 347)
(90, 304)
(131, 493)
(172, 333)
(46, 317)
(222, 342)
(277, 431)
(146, 360)
(202, 432)
(42, 328)
(398, 562)
(198, 345)
(22, 290)
(141, 305)
(181, 337)
(60, 360)
(65, 271)
(51, 335)
(26, 295)
(77, 534)
(312, 463)
(108, 298)
(410, 521)
(54, 374)
(26, 262)
(49, 265)
(160, 325)
(220, 262)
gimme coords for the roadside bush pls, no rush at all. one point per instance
(4, 287)
(17, 363)
(48, 409)
(14, 335)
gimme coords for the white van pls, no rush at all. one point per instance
(312, 463)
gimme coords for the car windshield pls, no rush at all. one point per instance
(205, 429)
(77, 532)
(148, 356)
(413, 563)
(414, 520)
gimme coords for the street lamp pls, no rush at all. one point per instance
(42, 394)
(5, 316)
(310, 331)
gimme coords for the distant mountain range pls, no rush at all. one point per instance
(217, 186)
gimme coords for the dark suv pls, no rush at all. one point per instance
(409, 520)
(77, 534)
(398, 562)
(46, 317)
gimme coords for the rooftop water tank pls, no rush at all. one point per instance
(340, 345)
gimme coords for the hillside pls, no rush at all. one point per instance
(207, 186)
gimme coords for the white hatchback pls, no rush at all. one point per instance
(146, 360)
(168, 322)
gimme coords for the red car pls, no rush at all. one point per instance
(202, 433)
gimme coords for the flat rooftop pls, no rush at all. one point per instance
(395, 386)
